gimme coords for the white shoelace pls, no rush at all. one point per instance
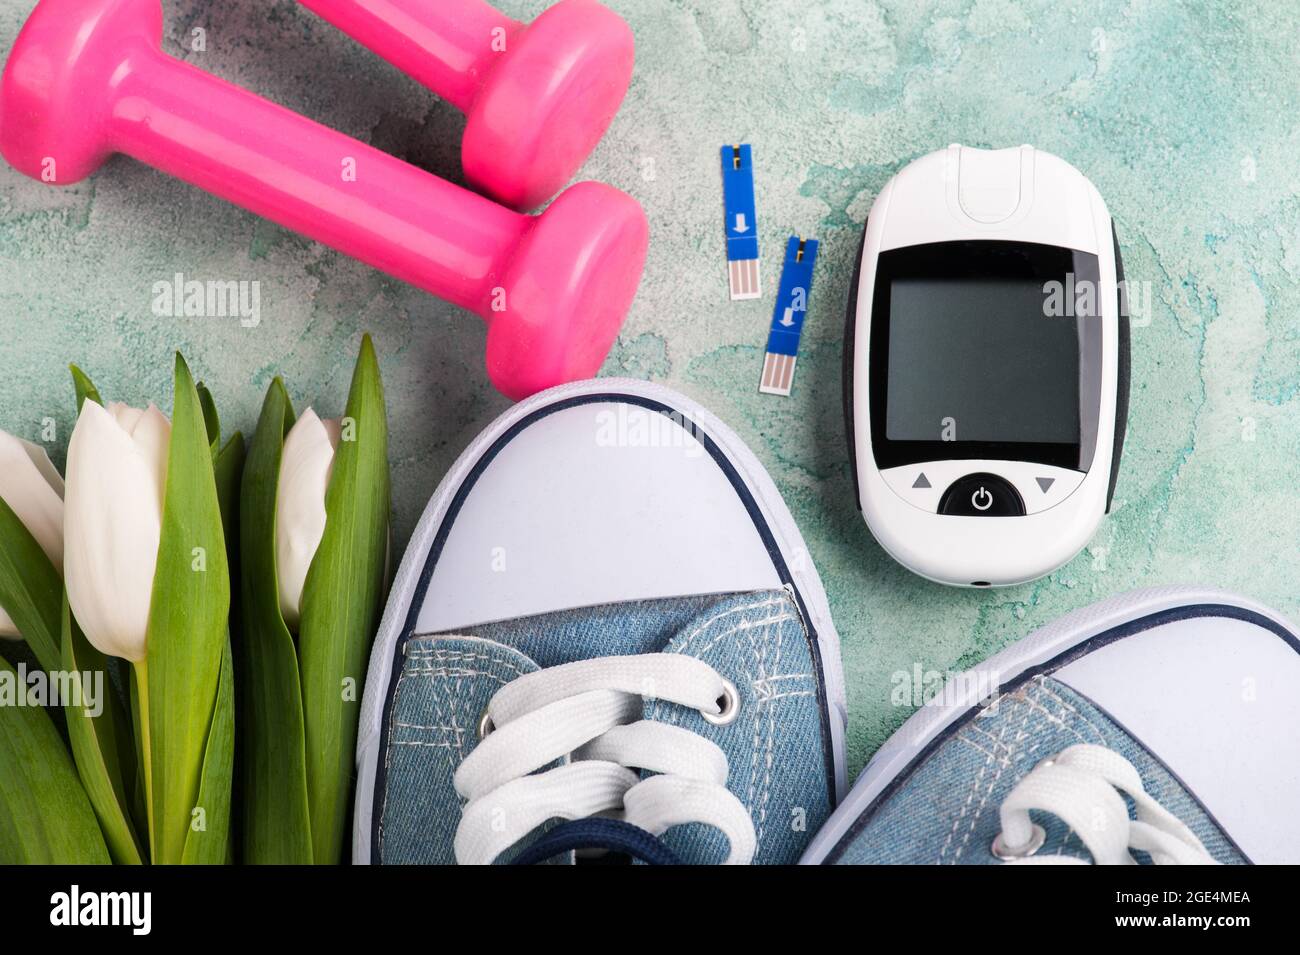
(589, 713)
(1082, 786)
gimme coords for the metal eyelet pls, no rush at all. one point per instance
(728, 706)
(485, 725)
(1037, 837)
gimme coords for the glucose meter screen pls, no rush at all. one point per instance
(977, 360)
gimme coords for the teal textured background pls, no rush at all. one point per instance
(1182, 113)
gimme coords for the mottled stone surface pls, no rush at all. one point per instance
(1182, 113)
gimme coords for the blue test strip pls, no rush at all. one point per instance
(788, 316)
(742, 222)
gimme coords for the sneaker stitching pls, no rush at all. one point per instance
(1101, 736)
(1002, 766)
(970, 795)
(770, 601)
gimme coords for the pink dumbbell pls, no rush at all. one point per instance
(87, 78)
(538, 96)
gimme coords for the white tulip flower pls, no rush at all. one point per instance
(116, 477)
(32, 488)
(305, 469)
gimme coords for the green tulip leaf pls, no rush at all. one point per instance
(211, 420)
(341, 604)
(45, 817)
(228, 462)
(188, 631)
(276, 826)
(209, 838)
(31, 590)
(229, 466)
(85, 388)
(229, 470)
(140, 794)
(102, 745)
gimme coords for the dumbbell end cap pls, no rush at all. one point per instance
(567, 290)
(546, 105)
(57, 90)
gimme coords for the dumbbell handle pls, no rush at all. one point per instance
(445, 44)
(314, 180)
(87, 78)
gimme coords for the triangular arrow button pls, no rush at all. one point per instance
(921, 481)
(1045, 483)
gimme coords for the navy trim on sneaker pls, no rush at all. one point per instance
(458, 500)
(1127, 629)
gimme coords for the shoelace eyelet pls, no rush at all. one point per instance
(729, 706)
(1036, 839)
(485, 725)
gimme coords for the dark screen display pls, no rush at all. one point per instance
(978, 360)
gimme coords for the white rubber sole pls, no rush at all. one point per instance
(769, 501)
(1043, 645)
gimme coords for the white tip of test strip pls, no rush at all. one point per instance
(778, 374)
(742, 275)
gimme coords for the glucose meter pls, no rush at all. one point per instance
(986, 365)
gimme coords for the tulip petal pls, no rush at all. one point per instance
(31, 591)
(33, 489)
(152, 435)
(27, 486)
(307, 463)
(125, 416)
(113, 524)
(44, 466)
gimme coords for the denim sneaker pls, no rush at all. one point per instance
(606, 642)
(1159, 726)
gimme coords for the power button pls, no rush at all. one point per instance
(982, 495)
